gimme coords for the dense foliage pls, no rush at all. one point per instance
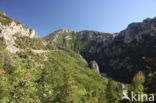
(144, 83)
(53, 77)
(29, 43)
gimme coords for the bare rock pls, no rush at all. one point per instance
(12, 30)
(94, 66)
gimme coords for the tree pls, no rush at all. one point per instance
(137, 82)
(150, 82)
(112, 92)
(70, 92)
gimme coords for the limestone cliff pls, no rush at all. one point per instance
(121, 54)
(11, 30)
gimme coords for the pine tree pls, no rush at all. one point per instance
(69, 90)
(112, 92)
(150, 82)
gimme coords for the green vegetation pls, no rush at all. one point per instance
(54, 77)
(113, 92)
(75, 41)
(153, 29)
(137, 83)
(4, 19)
(27, 43)
(144, 84)
(61, 75)
(150, 82)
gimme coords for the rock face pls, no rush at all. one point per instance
(12, 30)
(122, 54)
(94, 66)
(59, 36)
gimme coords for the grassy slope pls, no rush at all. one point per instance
(27, 77)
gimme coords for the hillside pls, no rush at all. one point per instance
(128, 56)
(32, 71)
(73, 40)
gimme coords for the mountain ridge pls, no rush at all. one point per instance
(75, 40)
(120, 47)
(126, 49)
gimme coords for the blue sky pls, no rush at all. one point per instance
(46, 16)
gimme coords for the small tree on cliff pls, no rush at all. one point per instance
(137, 82)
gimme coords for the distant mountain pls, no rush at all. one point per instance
(73, 40)
(118, 55)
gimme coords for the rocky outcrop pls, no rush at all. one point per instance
(62, 31)
(94, 66)
(59, 36)
(10, 32)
